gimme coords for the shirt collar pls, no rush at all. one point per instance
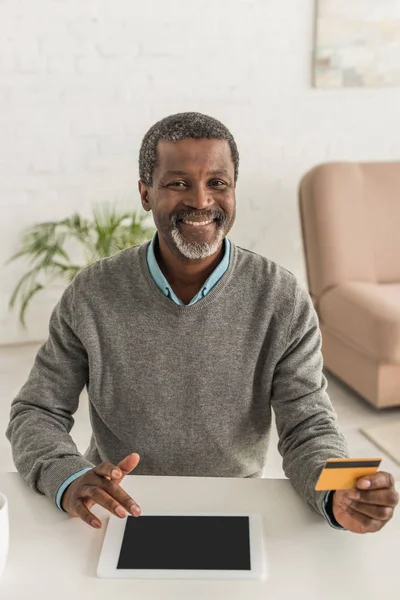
(163, 284)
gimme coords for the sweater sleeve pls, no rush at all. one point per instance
(44, 453)
(305, 418)
(65, 484)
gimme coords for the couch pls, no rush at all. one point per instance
(350, 220)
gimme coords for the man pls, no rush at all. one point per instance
(185, 345)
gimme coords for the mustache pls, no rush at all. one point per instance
(218, 216)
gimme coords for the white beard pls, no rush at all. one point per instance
(196, 250)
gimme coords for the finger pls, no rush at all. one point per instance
(374, 482)
(385, 497)
(129, 463)
(82, 511)
(369, 525)
(124, 499)
(117, 472)
(117, 500)
(381, 513)
(102, 498)
(108, 470)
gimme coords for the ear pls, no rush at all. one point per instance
(144, 195)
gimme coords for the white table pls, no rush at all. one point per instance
(53, 556)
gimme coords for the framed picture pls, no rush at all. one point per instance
(357, 43)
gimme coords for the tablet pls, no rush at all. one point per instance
(184, 546)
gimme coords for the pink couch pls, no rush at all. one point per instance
(350, 215)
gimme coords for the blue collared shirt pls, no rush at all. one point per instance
(163, 284)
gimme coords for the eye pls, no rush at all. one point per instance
(217, 183)
(177, 184)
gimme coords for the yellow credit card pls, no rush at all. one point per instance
(343, 473)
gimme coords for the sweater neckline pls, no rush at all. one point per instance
(169, 304)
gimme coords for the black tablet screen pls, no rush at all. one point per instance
(185, 542)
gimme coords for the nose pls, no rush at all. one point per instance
(199, 197)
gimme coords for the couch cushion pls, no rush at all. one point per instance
(366, 315)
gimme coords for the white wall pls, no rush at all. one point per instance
(81, 81)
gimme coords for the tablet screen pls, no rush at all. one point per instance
(186, 542)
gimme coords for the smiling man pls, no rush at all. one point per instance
(186, 345)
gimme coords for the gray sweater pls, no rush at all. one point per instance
(190, 388)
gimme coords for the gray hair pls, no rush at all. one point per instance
(175, 128)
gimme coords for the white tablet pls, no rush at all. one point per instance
(184, 546)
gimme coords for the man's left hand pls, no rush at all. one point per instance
(369, 507)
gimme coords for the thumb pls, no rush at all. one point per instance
(128, 463)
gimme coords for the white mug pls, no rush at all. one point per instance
(4, 533)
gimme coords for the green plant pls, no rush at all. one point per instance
(45, 246)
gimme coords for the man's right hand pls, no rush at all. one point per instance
(101, 485)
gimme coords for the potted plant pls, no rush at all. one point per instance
(48, 247)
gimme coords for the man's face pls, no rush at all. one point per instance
(193, 183)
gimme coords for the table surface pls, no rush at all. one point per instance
(54, 556)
